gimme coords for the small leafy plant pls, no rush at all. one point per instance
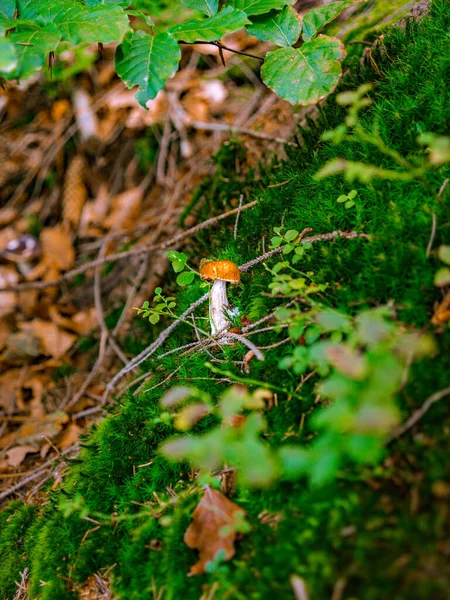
(286, 279)
(304, 69)
(349, 199)
(164, 307)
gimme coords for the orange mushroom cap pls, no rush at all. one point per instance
(224, 270)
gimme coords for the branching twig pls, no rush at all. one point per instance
(173, 241)
(417, 415)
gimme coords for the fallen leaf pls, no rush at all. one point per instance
(57, 248)
(82, 322)
(55, 341)
(9, 384)
(69, 436)
(213, 528)
(36, 433)
(16, 455)
(75, 194)
(5, 332)
(125, 211)
(8, 300)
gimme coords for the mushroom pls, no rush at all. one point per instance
(219, 273)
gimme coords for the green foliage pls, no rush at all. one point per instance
(348, 199)
(147, 59)
(316, 18)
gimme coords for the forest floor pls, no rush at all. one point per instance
(104, 515)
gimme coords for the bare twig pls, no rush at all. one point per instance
(36, 473)
(241, 197)
(173, 241)
(418, 414)
(432, 234)
(231, 129)
(256, 351)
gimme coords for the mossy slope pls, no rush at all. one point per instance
(380, 532)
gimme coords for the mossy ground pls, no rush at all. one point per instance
(380, 532)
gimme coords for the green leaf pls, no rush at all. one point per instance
(8, 8)
(123, 3)
(178, 265)
(342, 198)
(158, 290)
(185, 278)
(77, 22)
(140, 15)
(213, 28)
(153, 318)
(352, 194)
(210, 7)
(320, 16)
(259, 7)
(7, 24)
(304, 75)
(291, 235)
(8, 56)
(349, 204)
(147, 61)
(276, 241)
(444, 254)
(279, 27)
(30, 58)
(442, 277)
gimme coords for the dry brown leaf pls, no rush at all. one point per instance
(8, 300)
(75, 194)
(36, 433)
(212, 529)
(16, 455)
(9, 384)
(442, 311)
(82, 322)
(125, 210)
(55, 341)
(5, 331)
(57, 248)
(8, 214)
(69, 436)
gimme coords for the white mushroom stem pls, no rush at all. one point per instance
(218, 307)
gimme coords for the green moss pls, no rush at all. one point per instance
(380, 535)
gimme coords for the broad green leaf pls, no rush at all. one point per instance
(213, 28)
(210, 7)
(7, 8)
(7, 24)
(8, 56)
(140, 15)
(147, 61)
(279, 27)
(31, 57)
(320, 16)
(77, 22)
(304, 75)
(259, 7)
(123, 3)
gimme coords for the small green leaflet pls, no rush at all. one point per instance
(279, 27)
(259, 7)
(8, 57)
(213, 28)
(7, 24)
(304, 75)
(31, 58)
(210, 7)
(322, 15)
(8, 8)
(147, 61)
(77, 22)
(140, 15)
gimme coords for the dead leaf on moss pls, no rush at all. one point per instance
(213, 528)
(69, 436)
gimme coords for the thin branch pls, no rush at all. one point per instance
(241, 197)
(418, 414)
(432, 234)
(222, 47)
(173, 241)
(231, 129)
